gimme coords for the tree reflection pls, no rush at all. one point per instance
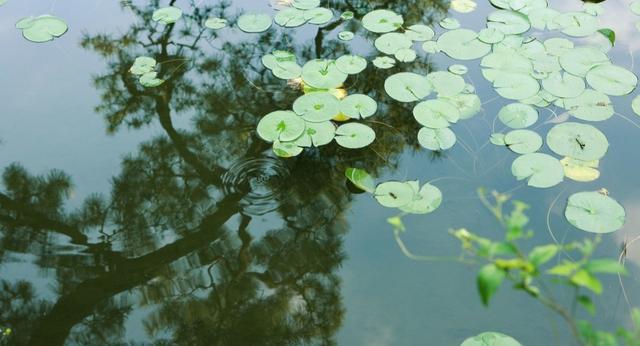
(177, 235)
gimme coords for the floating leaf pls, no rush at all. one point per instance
(142, 65)
(290, 17)
(542, 170)
(354, 135)
(497, 139)
(579, 61)
(518, 115)
(419, 32)
(384, 62)
(577, 24)
(424, 201)
(436, 139)
(317, 134)
(430, 47)
(318, 16)
(361, 179)
(523, 141)
(591, 105)
(563, 85)
(317, 106)
(491, 339)
(436, 114)
(281, 125)
(468, 104)
(612, 80)
(446, 83)
(323, 74)
(490, 35)
(509, 22)
(167, 15)
(150, 80)
(609, 34)
(394, 194)
(215, 23)
(346, 35)
(382, 21)
(458, 69)
(391, 42)
(463, 6)
(594, 212)
(635, 105)
(449, 23)
(579, 141)
(254, 22)
(351, 64)
(407, 87)
(358, 106)
(347, 15)
(557, 46)
(542, 18)
(462, 44)
(42, 28)
(286, 149)
(515, 86)
(305, 4)
(405, 55)
(579, 170)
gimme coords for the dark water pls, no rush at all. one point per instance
(137, 216)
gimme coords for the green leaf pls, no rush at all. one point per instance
(609, 34)
(579, 141)
(489, 279)
(407, 87)
(491, 339)
(542, 254)
(586, 302)
(361, 179)
(394, 194)
(605, 266)
(167, 15)
(565, 268)
(354, 135)
(382, 21)
(585, 279)
(594, 212)
(541, 170)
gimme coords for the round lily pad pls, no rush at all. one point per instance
(382, 21)
(419, 32)
(286, 149)
(523, 141)
(346, 35)
(254, 22)
(317, 106)
(351, 64)
(424, 201)
(515, 86)
(436, 139)
(281, 125)
(287, 70)
(612, 80)
(578, 170)
(467, 104)
(542, 170)
(591, 105)
(394, 194)
(436, 114)
(563, 85)
(405, 55)
(446, 83)
(354, 135)
(323, 74)
(150, 80)
(594, 212)
(305, 4)
(462, 44)
(142, 65)
(407, 87)
(578, 61)
(347, 15)
(463, 6)
(430, 47)
(358, 106)
(318, 16)
(579, 141)
(490, 35)
(390, 43)
(635, 105)
(491, 338)
(450, 23)
(557, 46)
(215, 23)
(509, 22)
(518, 115)
(317, 134)
(576, 24)
(290, 17)
(542, 18)
(384, 62)
(42, 28)
(458, 69)
(167, 15)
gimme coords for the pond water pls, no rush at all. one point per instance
(150, 209)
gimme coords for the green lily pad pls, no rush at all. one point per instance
(407, 87)
(318, 16)
(523, 141)
(382, 21)
(436, 139)
(436, 114)
(424, 201)
(542, 170)
(430, 47)
(419, 33)
(361, 179)
(358, 106)
(405, 55)
(450, 23)
(254, 22)
(577, 24)
(579, 61)
(509, 22)
(557, 46)
(150, 80)
(394, 194)
(594, 212)
(347, 15)
(515, 86)
(579, 141)
(390, 43)
(578, 170)
(458, 69)
(467, 104)
(42, 28)
(354, 135)
(305, 4)
(591, 105)
(287, 70)
(142, 65)
(317, 106)
(286, 149)
(351, 64)
(563, 85)
(612, 80)
(317, 134)
(518, 115)
(384, 62)
(490, 35)
(290, 17)
(497, 139)
(167, 15)
(215, 23)
(462, 44)
(542, 18)
(323, 74)
(281, 125)
(491, 339)
(635, 105)
(446, 83)
(346, 35)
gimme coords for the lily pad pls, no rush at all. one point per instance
(42, 28)
(509, 22)
(361, 179)
(542, 170)
(463, 6)
(436, 139)
(518, 115)
(358, 106)
(323, 74)
(635, 105)
(515, 86)
(407, 87)
(142, 65)
(578, 61)
(317, 106)
(317, 134)
(351, 64)
(424, 201)
(446, 83)
(390, 43)
(430, 47)
(318, 16)
(458, 69)
(579, 141)
(563, 85)
(591, 105)
(150, 80)
(578, 170)
(215, 23)
(462, 44)
(419, 32)
(254, 22)
(167, 15)
(523, 141)
(394, 194)
(436, 114)
(305, 4)
(384, 62)
(491, 339)
(450, 23)
(286, 149)
(468, 104)
(405, 55)
(382, 21)
(612, 80)
(346, 35)
(594, 212)
(290, 17)
(577, 24)
(354, 135)
(490, 35)
(281, 126)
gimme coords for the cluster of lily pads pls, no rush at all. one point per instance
(144, 67)
(408, 196)
(42, 28)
